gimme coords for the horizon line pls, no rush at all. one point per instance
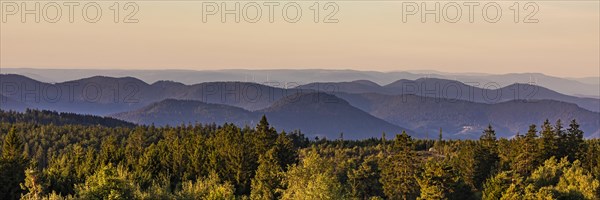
(415, 71)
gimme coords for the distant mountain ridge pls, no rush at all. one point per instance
(176, 112)
(455, 90)
(586, 87)
(464, 119)
(360, 103)
(101, 95)
(315, 114)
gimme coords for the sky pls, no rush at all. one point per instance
(562, 38)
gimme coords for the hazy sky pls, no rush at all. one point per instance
(370, 35)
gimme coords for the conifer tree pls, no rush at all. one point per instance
(527, 158)
(548, 144)
(266, 184)
(440, 181)
(12, 166)
(575, 143)
(264, 136)
(488, 138)
(400, 169)
(561, 135)
(487, 157)
(12, 148)
(285, 152)
(364, 179)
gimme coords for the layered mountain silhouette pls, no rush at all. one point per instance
(359, 109)
(464, 119)
(448, 89)
(176, 112)
(315, 114)
(106, 95)
(586, 87)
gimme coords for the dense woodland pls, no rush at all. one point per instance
(46, 156)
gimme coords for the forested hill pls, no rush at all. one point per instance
(550, 161)
(50, 117)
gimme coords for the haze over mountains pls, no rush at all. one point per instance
(466, 119)
(317, 114)
(455, 90)
(359, 109)
(583, 87)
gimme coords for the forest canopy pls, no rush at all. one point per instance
(48, 155)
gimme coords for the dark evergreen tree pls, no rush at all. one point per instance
(487, 158)
(364, 180)
(575, 143)
(12, 166)
(548, 145)
(264, 136)
(285, 152)
(440, 181)
(266, 184)
(561, 145)
(527, 159)
(399, 170)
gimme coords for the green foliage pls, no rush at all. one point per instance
(574, 142)
(528, 156)
(210, 188)
(495, 186)
(312, 178)
(575, 182)
(75, 159)
(399, 170)
(364, 179)
(487, 157)
(440, 180)
(12, 166)
(548, 145)
(34, 185)
(267, 182)
(56, 118)
(265, 136)
(552, 180)
(107, 183)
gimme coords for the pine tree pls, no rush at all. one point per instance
(548, 144)
(562, 145)
(364, 180)
(466, 160)
(12, 166)
(527, 158)
(12, 147)
(264, 136)
(488, 138)
(440, 181)
(285, 152)
(575, 142)
(487, 158)
(267, 181)
(400, 169)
